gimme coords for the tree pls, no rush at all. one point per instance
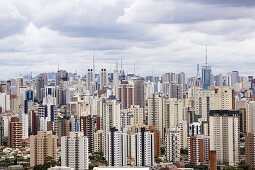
(158, 160)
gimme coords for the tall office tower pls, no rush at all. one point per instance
(115, 82)
(173, 145)
(23, 118)
(15, 133)
(116, 148)
(228, 79)
(42, 145)
(74, 151)
(250, 150)
(198, 149)
(169, 77)
(172, 114)
(250, 116)
(223, 98)
(1, 131)
(194, 129)
(63, 128)
(157, 145)
(5, 102)
(234, 78)
(98, 141)
(204, 102)
(86, 126)
(126, 94)
(137, 113)
(224, 135)
(103, 78)
(176, 91)
(61, 75)
(155, 112)
(219, 80)
(206, 76)
(49, 91)
(139, 92)
(144, 148)
(91, 81)
(181, 80)
(41, 82)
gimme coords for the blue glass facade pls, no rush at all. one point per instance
(206, 77)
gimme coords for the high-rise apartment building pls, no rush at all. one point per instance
(98, 141)
(1, 131)
(250, 150)
(137, 113)
(157, 141)
(155, 112)
(42, 145)
(172, 114)
(223, 98)
(116, 148)
(224, 135)
(173, 145)
(86, 126)
(198, 149)
(15, 133)
(204, 102)
(74, 151)
(144, 148)
(126, 94)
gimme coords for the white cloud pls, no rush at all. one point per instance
(164, 34)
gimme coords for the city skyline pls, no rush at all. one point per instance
(169, 36)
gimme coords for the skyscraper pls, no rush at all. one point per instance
(139, 92)
(206, 76)
(103, 78)
(74, 151)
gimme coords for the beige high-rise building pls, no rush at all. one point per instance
(172, 113)
(98, 141)
(223, 98)
(204, 102)
(137, 113)
(42, 145)
(224, 135)
(250, 117)
(155, 112)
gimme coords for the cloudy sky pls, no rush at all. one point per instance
(163, 35)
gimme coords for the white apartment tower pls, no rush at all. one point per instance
(117, 148)
(144, 148)
(173, 145)
(74, 151)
